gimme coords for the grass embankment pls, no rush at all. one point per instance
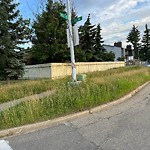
(100, 88)
(19, 89)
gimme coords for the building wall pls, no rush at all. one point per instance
(58, 70)
(117, 50)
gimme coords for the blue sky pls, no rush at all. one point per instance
(115, 16)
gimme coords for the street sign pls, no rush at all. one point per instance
(76, 20)
(63, 16)
(75, 35)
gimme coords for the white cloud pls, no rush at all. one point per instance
(116, 16)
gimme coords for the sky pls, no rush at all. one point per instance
(116, 17)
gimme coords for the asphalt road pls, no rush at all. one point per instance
(122, 127)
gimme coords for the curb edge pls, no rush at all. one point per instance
(45, 124)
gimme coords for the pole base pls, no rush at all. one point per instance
(75, 83)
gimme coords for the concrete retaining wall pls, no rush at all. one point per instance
(37, 71)
(58, 70)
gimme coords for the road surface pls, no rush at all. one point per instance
(123, 127)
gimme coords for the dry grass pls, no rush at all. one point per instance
(100, 88)
(19, 89)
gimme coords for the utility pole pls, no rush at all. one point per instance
(71, 42)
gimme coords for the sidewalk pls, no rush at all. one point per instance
(7, 105)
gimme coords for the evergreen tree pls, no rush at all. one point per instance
(100, 53)
(50, 39)
(14, 32)
(134, 38)
(87, 35)
(145, 48)
(98, 45)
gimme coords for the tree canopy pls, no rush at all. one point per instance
(49, 40)
(145, 48)
(91, 43)
(14, 32)
(87, 35)
(134, 38)
(100, 53)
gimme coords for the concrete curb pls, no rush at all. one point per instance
(42, 125)
(120, 100)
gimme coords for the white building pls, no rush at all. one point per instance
(118, 51)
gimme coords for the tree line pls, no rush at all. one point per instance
(48, 36)
(141, 46)
(49, 40)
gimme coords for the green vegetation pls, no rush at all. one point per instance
(19, 89)
(145, 47)
(100, 88)
(91, 43)
(134, 38)
(50, 40)
(14, 32)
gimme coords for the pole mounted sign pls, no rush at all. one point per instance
(63, 16)
(73, 21)
(70, 38)
(71, 43)
(76, 19)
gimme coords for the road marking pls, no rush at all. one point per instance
(4, 145)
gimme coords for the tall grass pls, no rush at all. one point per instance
(19, 89)
(100, 88)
